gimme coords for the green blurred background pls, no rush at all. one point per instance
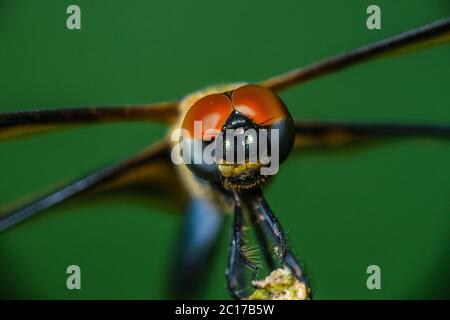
(387, 205)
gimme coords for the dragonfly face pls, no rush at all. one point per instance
(246, 132)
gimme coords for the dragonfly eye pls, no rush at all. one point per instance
(259, 104)
(205, 118)
(201, 125)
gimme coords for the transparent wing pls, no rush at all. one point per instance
(22, 123)
(430, 34)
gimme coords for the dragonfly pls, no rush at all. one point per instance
(207, 193)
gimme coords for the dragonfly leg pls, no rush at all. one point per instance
(270, 229)
(238, 260)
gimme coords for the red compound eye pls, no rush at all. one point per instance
(259, 104)
(212, 111)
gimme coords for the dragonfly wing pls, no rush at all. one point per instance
(333, 135)
(23, 123)
(150, 169)
(431, 34)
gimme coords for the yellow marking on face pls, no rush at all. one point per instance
(237, 169)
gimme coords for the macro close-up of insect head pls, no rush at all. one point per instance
(225, 150)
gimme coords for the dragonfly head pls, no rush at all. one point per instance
(237, 138)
